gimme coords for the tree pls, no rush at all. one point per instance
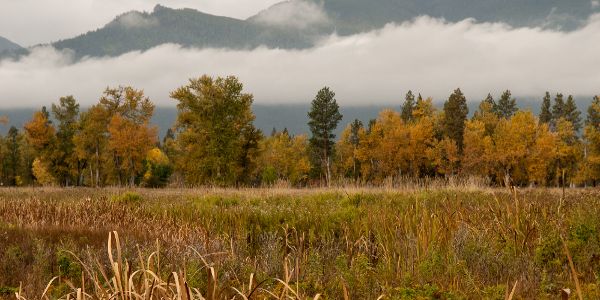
(324, 117)
(558, 110)
(486, 114)
(455, 115)
(284, 158)
(408, 107)
(13, 157)
(158, 169)
(507, 105)
(572, 114)
(40, 133)
(593, 117)
(214, 124)
(567, 151)
(129, 143)
(545, 113)
(476, 160)
(90, 143)
(346, 149)
(65, 162)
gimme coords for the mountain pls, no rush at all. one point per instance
(141, 31)
(6, 45)
(298, 24)
(351, 16)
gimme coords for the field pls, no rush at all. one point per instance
(446, 243)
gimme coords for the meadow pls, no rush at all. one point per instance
(437, 243)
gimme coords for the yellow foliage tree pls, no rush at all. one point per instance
(41, 173)
(285, 158)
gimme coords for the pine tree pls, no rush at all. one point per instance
(408, 107)
(324, 117)
(491, 102)
(13, 158)
(65, 163)
(545, 113)
(507, 105)
(593, 117)
(572, 114)
(558, 109)
(455, 115)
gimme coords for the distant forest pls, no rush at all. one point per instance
(215, 142)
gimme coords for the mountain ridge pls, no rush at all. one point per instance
(299, 24)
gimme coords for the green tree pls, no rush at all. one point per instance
(572, 114)
(324, 117)
(216, 134)
(545, 113)
(455, 115)
(593, 117)
(13, 157)
(558, 110)
(65, 162)
(507, 105)
(408, 107)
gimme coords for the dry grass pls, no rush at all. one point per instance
(344, 243)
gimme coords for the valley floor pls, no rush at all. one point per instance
(445, 243)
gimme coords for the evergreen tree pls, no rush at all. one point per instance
(558, 109)
(13, 157)
(491, 103)
(324, 117)
(545, 113)
(593, 117)
(572, 114)
(507, 105)
(408, 107)
(455, 115)
(65, 163)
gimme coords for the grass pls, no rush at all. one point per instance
(443, 243)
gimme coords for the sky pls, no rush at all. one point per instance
(32, 22)
(428, 56)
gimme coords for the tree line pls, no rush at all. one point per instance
(214, 142)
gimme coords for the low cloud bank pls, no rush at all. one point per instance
(428, 55)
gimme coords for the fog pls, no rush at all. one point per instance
(428, 56)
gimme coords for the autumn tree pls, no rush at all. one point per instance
(455, 115)
(324, 116)
(65, 162)
(513, 139)
(284, 157)
(90, 143)
(567, 151)
(486, 113)
(476, 158)
(214, 124)
(408, 107)
(346, 150)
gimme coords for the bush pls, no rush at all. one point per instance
(127, 198)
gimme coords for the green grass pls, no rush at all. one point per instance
(444, 244)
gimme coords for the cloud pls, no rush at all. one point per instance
(296, 14)
(136, 19)
(428, 55)
(30, 22)
(595, 3)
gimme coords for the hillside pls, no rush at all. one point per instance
(141, 31)
(297, 24)
(6, 45)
